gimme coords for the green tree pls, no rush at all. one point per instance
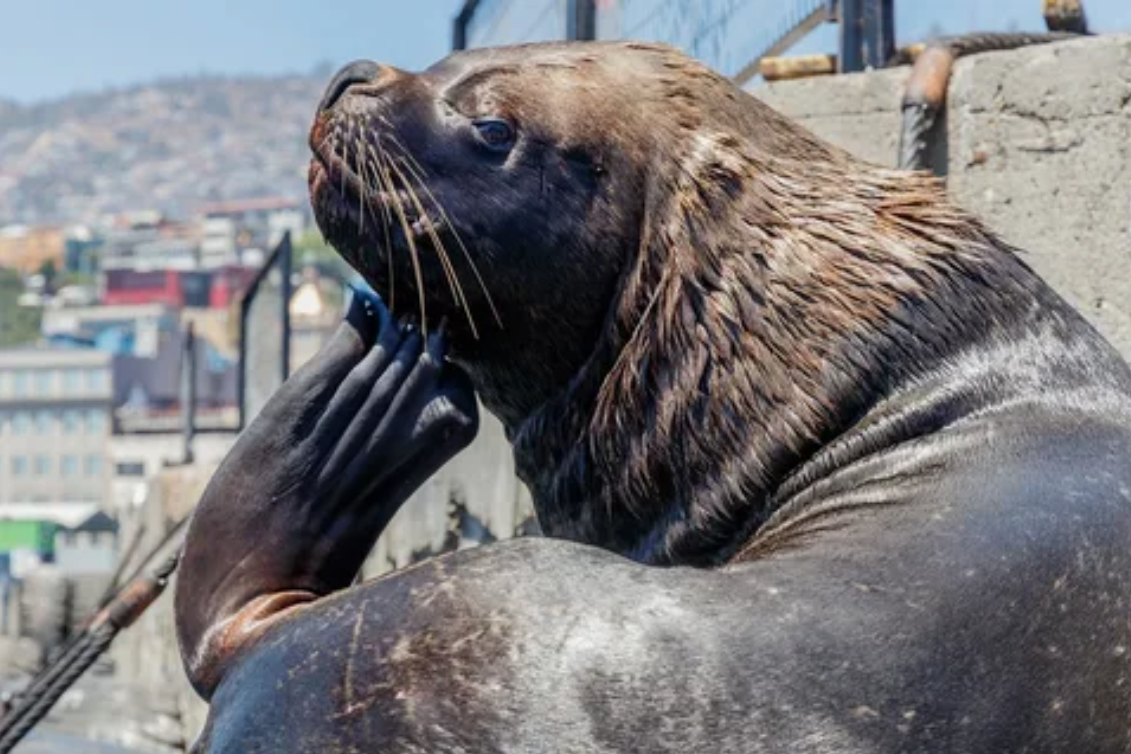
(311, 248)
(19, 325)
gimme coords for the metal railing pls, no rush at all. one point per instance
(732, 36)
(265, 332)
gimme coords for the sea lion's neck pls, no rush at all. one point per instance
(534, 370)
(738, 351)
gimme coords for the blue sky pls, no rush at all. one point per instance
(49, 48)
(915, 19)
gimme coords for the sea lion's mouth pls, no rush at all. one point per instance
(338, 190)
(373, 205)
(370, 213)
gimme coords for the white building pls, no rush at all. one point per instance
(55, 425)
(136, 459)
(244, 232)
(147, 241)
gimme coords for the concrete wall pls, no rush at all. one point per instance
(146, 656)
(1038, 145)
(135, 459)
(482, 478)
(858, 112)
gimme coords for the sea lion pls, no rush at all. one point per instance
(823, 465)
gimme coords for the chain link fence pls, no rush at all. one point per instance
(731, 36)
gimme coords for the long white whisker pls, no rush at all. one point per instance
(441, 252)
(414, 255)
(418, 171)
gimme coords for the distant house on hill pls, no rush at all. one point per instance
(27, 249)
(243, 232)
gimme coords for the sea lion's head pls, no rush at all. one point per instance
(670, 294)
(508, 191)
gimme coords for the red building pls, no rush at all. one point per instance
(228, 284)
(172, 287)
(212, 288)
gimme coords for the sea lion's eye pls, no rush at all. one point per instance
(496, 134)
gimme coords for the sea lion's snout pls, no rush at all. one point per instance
(358, 72)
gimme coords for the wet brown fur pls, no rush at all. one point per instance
(770, 292)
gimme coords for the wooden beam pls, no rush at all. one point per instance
(804, 66)
(795, 35)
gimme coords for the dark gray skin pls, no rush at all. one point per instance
(940, 564)
(299, 501)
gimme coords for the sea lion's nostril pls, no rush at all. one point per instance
(357, 72)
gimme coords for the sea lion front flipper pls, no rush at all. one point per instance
(302, 496)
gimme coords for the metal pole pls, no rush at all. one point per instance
(867, 34)
(461, 22)
(241, 374)
(581, 23)
(851, 56)
(879, 32)
(188, 391)
(459, 34)
(285, 289)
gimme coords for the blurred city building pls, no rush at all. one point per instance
(27, 248)
(242, 233)
(55, 423)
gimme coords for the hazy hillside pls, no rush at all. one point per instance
(170, 145)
